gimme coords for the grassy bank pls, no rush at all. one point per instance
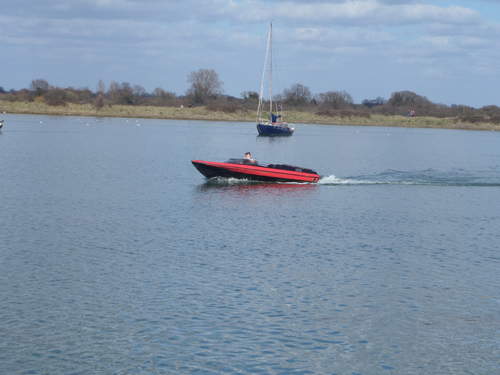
(201, 113)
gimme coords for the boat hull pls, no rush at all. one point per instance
(212, 169)
(274, 130)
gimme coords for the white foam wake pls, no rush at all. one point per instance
(457, 177)
(333, 180)
(223, 181)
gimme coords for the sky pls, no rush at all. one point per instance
(446, 50)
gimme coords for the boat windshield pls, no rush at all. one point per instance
(242, 161)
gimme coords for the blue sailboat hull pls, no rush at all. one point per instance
(274, 130)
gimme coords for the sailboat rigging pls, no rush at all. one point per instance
(273, 125)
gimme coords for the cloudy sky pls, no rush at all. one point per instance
(447, 50)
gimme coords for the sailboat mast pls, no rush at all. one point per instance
(271, 71)
(261, 93)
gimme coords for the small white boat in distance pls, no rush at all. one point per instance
(1, 123)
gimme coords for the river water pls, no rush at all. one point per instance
(117, 257)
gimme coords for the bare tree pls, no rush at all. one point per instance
(101, 87)
(158, 92)
(56, 97)
(163, 98)
(335, 99)
(39, 86)
(113, 91)
(121, 93)
(406, 102)
(99, 101)
(408, 98)
(101, 92)
(138, 90)
(297, 94)
(205, 84)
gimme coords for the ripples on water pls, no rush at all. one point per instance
(117, 257)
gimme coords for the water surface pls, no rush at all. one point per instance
(117, 257)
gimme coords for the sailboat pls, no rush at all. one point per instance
(273, 124)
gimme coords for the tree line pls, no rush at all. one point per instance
(205, 88)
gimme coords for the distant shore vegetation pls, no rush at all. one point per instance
(205, 100)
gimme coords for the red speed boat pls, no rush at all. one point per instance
(245, 169)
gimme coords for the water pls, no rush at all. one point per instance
(116, 257)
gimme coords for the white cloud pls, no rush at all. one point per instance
(355, 11)
(354, 36)
(383, 12)
(419, 35)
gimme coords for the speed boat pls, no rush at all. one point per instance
(251, 170)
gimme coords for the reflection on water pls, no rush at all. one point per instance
(280, 139)
(232, 185)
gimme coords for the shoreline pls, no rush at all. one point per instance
(203, 114)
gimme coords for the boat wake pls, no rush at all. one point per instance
(228, 181)
(456, 177)
(431, 177)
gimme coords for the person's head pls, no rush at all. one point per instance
(248, 155)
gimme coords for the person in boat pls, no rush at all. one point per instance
(249, 159)
(275, 118)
